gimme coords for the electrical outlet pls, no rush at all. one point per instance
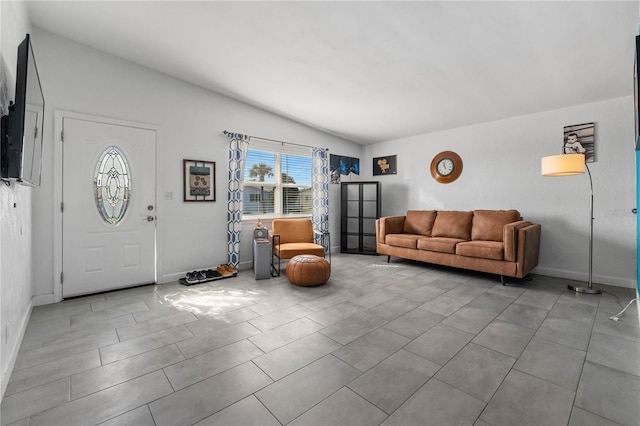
(168, 195)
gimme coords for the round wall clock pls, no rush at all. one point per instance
(446, 167)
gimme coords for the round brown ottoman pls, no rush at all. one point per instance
(308, 270)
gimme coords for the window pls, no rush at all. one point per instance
(277, 180)
(112, 185)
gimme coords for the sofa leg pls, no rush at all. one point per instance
(388, 258)
(502, 280)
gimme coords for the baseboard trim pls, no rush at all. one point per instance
(13, 353)
(43, 299)
(597, 279)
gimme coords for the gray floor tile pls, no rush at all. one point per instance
(120, 371)
(199, 401)
(375, 298)
(51, 371)
(122, 350)
(139, 417)
(368, 350)
(553, 362)
(526, 316)
(336, 313)
(614, 352)
(117, 310)
(35, 400)
(414, 323)
(436, 403)
(285, 334)
(476, 370)
(349, 329)
(440, 343)
(327, 375)
(390, 383)
(142, 329)
(491, 302)
(443, 305)
(216, 339)
(187, 372)
(573, 311)
(509, 339)
(276, 303)
(580, 417)
(63, 350)
(325, 302)
(524, 399)
(588, 299)
(466, 292)
(625, 328)
(156, 312)
(471, 320)
(289, 358)
(106, 404)
(448, 281)
(342, 408)
(248, 411)
(211, 323)
(510, 290)
(423, 294)
(393, 308)
(609, 393)
(538, 299)
(278, 318)
(565, 332)
(62, 335)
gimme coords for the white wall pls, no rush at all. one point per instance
(15, 210)
(502, 170)
(192, 235)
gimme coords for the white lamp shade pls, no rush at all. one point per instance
(563, 165)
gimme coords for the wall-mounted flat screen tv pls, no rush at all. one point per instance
(22, 135)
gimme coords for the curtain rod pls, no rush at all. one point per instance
(272, 140)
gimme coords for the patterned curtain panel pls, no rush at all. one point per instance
(320, 179)
(237, 154)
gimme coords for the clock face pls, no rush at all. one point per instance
(445, 167)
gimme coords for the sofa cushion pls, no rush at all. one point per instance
(419, 222)
(439, 244)
(488, 224)
(402, 240)
(453, 224)
(482, 249)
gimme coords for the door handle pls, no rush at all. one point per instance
(149, 218)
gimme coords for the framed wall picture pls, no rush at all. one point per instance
(579, 139)
(385, 165)
(199, 180)
(341, 165)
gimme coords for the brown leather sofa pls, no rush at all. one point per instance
(493, 241)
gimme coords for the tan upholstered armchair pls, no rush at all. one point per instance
(291, 237)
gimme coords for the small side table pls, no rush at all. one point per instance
(261, 258)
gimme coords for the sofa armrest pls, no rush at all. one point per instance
(510, 239)
(388, 225)
(528, 247)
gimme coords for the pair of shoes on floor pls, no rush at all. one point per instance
(201, 276)
(226, 270)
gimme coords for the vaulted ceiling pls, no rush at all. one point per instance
(371, 71)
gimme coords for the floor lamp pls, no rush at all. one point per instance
(570, 165)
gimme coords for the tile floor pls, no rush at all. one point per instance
(394, 344)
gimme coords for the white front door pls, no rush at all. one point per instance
(109, 206)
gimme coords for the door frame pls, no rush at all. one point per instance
(60, 115)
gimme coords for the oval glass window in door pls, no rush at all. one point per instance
(112, 185)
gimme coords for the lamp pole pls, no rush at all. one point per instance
(589, 288)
